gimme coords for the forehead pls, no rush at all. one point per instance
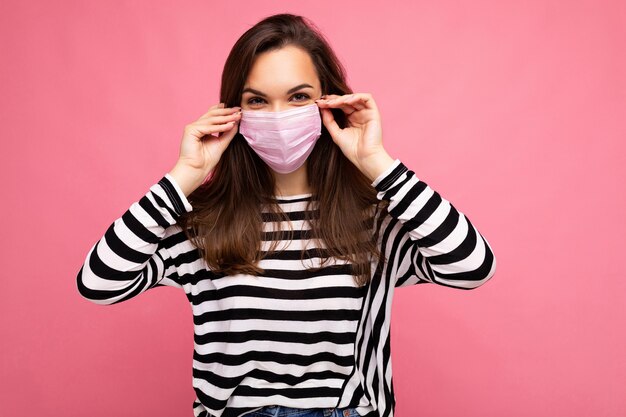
(281, 69)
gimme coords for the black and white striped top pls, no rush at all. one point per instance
(290, 337)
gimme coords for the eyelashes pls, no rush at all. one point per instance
(252, 101)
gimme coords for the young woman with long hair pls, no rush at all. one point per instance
(288, 226)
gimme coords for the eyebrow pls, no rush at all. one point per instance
(291, 90)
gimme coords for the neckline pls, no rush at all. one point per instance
(293, 195)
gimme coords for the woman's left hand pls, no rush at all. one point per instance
(361, 141)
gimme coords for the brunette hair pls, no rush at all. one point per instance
(226, 222)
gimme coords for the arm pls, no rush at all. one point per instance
(132, 256)
(427, 238)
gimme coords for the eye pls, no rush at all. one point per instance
(251, 101)
(303, 97)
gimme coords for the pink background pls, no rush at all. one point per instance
(514, 112)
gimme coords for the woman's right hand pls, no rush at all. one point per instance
(200, 150)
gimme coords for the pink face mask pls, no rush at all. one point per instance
(282, 139)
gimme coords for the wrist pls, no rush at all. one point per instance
(376, 164)
(188, 178)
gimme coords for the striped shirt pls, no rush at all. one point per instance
(291, 336)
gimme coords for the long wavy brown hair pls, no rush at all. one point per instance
(226, 223)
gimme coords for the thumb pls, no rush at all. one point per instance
(229, 135)
(330, 123)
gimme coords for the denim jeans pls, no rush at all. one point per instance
(281, 411)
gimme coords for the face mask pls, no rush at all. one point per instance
(282, 139)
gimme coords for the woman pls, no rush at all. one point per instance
(288, 226)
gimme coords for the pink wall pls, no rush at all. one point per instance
(515, 113)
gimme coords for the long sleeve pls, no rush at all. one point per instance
(426, 238)
(132, 256)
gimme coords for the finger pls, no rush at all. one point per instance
(214, 130)
(216, 122)
(339, 102)
(226, 128)
(335, 99)
(215, 119)
(364, 100)
(356, 102)
(330, 123)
